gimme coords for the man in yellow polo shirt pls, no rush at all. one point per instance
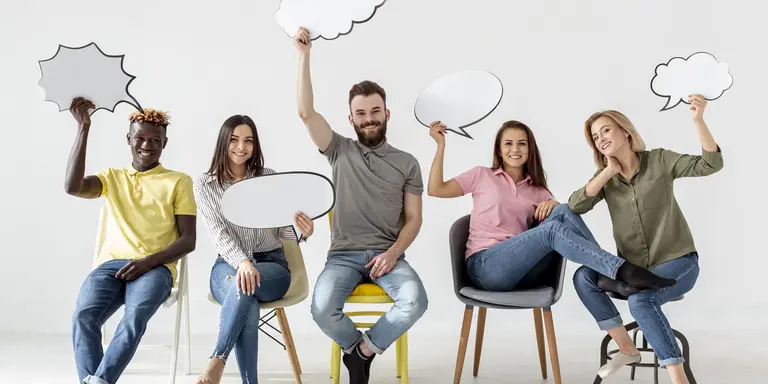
(150, 224)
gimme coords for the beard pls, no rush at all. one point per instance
(371, 139)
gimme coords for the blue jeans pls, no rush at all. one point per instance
(342, 273)
(240, 313)
(503, 266)
(100, 296)
(645, 305)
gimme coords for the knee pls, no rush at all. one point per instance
(412, 301)
(324, 314)
(584, 278)
(84, 318)
(562, 209)
(641, 303)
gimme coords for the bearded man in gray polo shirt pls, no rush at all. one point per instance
(376, 217)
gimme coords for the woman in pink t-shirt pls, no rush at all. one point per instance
(508, 198)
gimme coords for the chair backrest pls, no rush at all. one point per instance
(299, 280)
(550, 272)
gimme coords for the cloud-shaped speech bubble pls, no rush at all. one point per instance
(459, 100)
(699, 74)
(324, 18)
(86, 72)
(272, 201)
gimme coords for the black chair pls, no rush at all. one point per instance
(605, 354)
(541, 289)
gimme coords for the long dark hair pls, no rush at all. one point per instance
(533, 167)
(220, 162)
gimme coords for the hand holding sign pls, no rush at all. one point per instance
(325, 18)
(459, 100)
(89, 73)
(273, 201)
(699, 74)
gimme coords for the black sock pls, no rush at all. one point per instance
(641, 278)
(368, 365)
(355, 362)
(609, 285)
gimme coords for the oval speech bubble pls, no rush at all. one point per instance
(86, 72)
(699, 74)
(272, 201)
(459, 100)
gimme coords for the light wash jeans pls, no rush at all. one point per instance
(342, 273)
(240, 313)
(645, 305)
(100, 296)
(503, 266)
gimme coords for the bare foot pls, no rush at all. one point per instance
(212, 373)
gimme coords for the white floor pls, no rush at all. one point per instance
(717, 358)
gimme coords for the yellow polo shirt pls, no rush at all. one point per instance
(141, 211)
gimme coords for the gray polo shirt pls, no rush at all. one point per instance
(370, 185)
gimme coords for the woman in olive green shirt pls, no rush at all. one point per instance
(648, 226)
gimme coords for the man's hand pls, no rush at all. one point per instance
(80, 110)
(382, 264)
(135, 269)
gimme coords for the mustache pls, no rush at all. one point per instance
(371, 124)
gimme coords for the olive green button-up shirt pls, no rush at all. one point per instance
(648, 226)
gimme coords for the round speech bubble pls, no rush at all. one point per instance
(272, 201)
(459, 100)
(699, 74)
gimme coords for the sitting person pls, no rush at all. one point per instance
(150, 224)
(251, 266)
(637, 187)
(376, 218)
(507, 198)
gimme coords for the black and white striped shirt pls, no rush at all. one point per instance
(234, 244)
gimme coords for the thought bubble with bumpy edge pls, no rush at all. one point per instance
(328, 19)
(89, 73)
(459, 100)
(272, 201)
(700, 73)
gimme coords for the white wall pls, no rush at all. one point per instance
(559, 61)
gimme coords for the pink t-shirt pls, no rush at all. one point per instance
(500, 208)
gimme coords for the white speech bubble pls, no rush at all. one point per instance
(324, 18)
(89, 73)
(272, 201)
(699, 74)
(459, 100)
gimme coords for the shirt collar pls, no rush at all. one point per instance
(380, 150)
(527, 178)
(159, 168)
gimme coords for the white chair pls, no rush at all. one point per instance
(297, 292)
(181, 289)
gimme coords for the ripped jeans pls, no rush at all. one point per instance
(239, 320)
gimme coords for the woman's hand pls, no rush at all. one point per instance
(248, 277)
(544, 209)
(305, 225)
(437, 132)
(698, 105)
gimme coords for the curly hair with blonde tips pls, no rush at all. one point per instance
(151, 116)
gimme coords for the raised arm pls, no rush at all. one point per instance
(584, 199)
(436, 187)
(319, 129)
(75, 181)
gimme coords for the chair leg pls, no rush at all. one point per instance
(540, 341)
(686, 356)
(634, 342)
(552, 341)
(188, 342)
(398, 355)
(463, 340)
(288, 340)
(335, 362)
(292, 348)
(479, 338)
(177, 330)
(404, 359)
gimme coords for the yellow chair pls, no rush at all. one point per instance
(370, 294)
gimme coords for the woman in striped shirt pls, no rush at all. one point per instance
(251, 265)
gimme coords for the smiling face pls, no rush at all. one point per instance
(513, 148)
(240, 147)
(369, 118)
(608, 137)
(147, 141)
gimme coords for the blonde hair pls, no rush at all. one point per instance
(150, 116)
(635, 141)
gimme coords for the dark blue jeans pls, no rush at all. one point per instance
(645, 305)
(100, 296)
(240, 313)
